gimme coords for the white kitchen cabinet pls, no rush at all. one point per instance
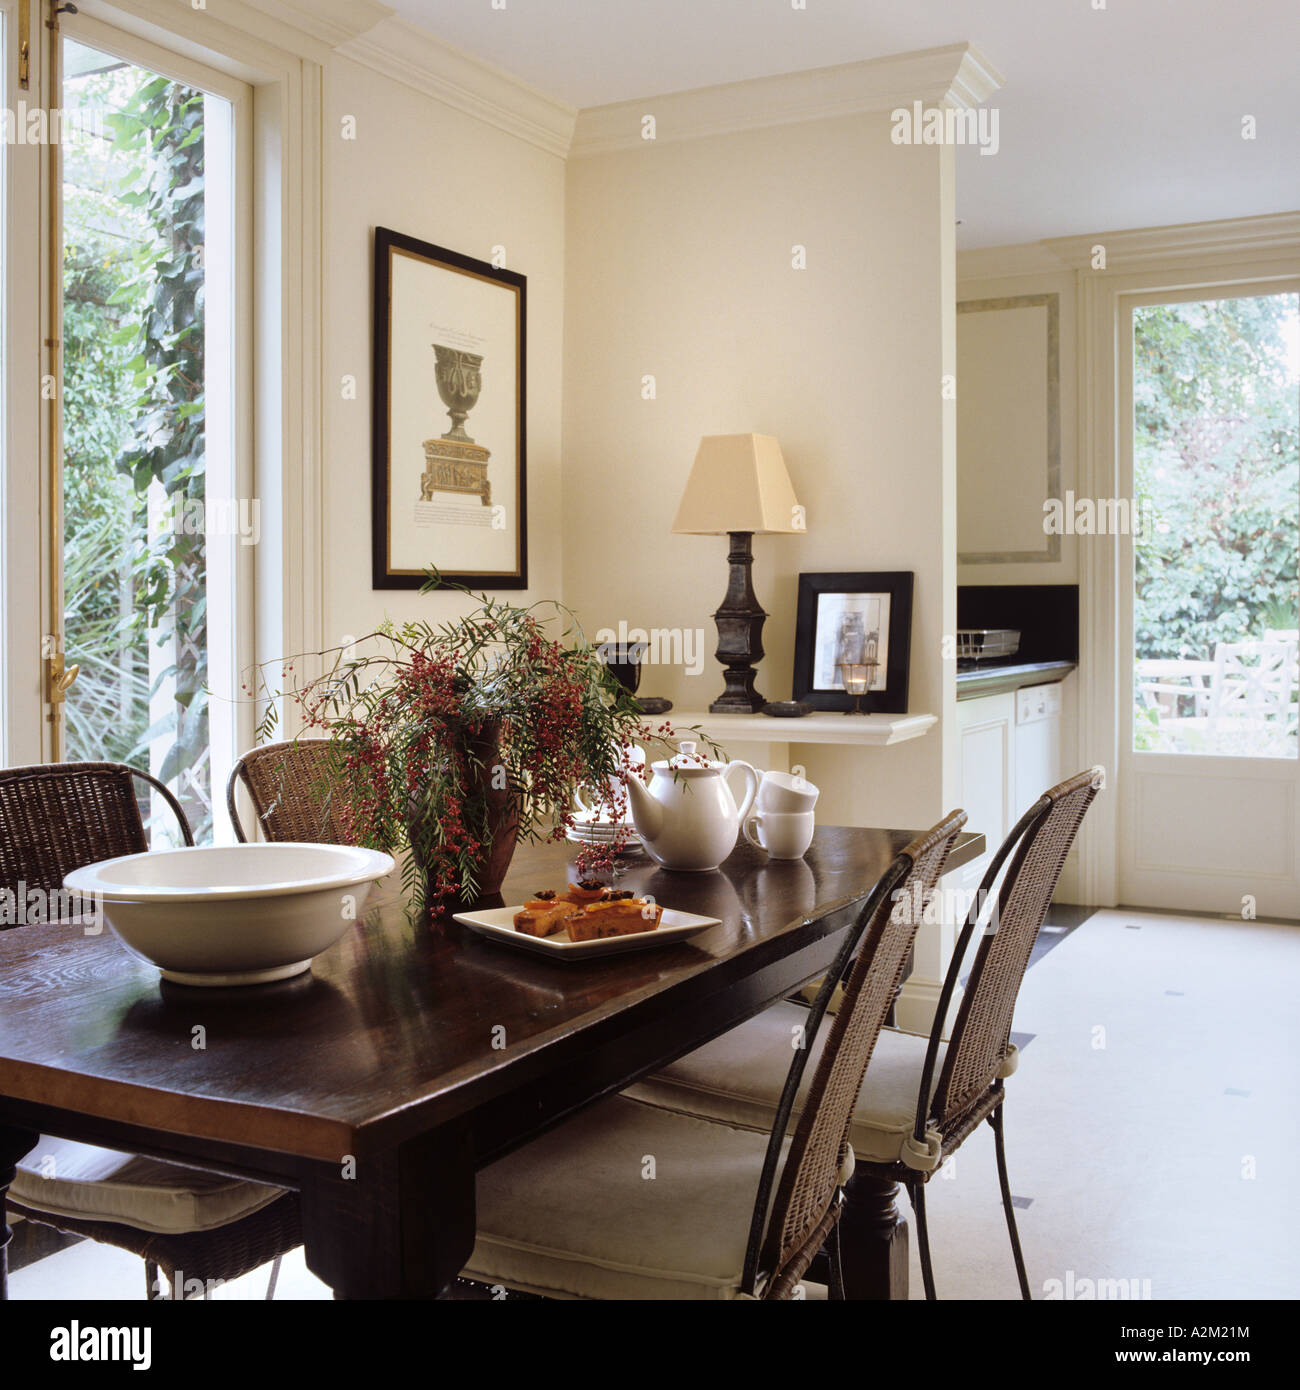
(1010, 755)
(988, 772)
(1038, 744)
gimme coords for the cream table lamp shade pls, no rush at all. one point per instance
(738, 483)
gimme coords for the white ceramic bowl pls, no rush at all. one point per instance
(232, 914)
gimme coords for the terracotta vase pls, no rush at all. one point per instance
(502, 828)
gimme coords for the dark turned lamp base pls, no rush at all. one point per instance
(740, 632)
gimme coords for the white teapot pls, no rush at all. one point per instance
(688, 818)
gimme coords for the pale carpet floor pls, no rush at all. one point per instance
(1152, 1131)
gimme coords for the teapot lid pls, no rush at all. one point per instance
(688, 760)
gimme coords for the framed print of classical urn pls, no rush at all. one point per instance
(448, 480)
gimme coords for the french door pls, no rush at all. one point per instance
(129, 515)
(1209, 674)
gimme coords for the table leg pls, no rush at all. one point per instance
(14, 1143)
(873, 1240)
(398, 1224)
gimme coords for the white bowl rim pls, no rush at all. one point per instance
(88, 879)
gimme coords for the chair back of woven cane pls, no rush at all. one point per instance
(802, 1209)
(293, 793)
(981, 1032)
(56, 817)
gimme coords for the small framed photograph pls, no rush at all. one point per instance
(862, 622)
(448, 481)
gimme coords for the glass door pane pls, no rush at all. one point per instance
(1216, 461)
(139, 477)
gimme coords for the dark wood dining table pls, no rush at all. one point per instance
(413, 1053)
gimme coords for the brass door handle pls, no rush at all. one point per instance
(24, 44)
(59, 677)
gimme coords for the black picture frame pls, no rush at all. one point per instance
(384, 574)
(895, 653)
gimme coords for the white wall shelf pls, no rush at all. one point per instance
(857, 730)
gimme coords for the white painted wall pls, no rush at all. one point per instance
(433, 172)
(679, 266)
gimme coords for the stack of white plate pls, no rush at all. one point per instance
(589, 829)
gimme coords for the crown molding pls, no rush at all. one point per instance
(959, 75)
(1245, 238)
(333, 22)
(1242, 238)
(307, 29)
(975, 80)
(414, 57)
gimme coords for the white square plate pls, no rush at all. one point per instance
(498, 923)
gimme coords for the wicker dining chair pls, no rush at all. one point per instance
(574, 1215)
(906, 1123)
(979, 1054)
(55, 817)
(284, 782)
(58, 817)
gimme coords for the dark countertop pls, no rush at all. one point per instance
(996, 680)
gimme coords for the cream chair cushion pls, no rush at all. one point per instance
(738, 1077)
(85, 1183)
(624, 1201)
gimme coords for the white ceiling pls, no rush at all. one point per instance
(1127, 116)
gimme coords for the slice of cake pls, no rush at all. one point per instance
(617, 914)
(544, 914)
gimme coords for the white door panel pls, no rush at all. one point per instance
(22, 594)
(144, 584)
(1209, 782)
